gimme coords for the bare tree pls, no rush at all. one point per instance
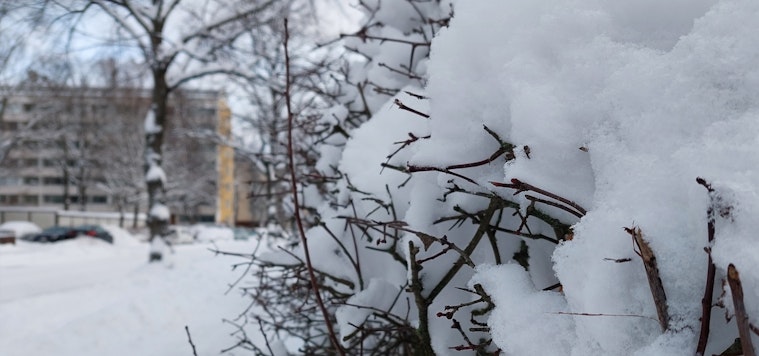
(11, 44)
(179, 41)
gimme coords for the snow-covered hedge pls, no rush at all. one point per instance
(511, 192)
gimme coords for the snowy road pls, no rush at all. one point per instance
(86, 297)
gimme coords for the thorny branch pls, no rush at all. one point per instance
(706, 301)
(301, 230)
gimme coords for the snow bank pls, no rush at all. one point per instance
(75, 298)
(207, 233)
(121, 236)
(20, 228)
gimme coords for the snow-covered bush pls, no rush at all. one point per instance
(532, 187)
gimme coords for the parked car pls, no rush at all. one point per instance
(11, 231)
(94, 231)
(7, 237)
(53, 234)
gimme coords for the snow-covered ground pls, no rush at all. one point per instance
(87, 297)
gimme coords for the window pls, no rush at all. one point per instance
(99, 199)
(11, 181)
(9, 199)
(52, 181)
(55, 199)
(28, 107)
(49, 163)
(31, 181)
(8, 163)
(31, 199)
(204, 112)
(30, 162)
(9, 126)
(15, 108)
(32, 145)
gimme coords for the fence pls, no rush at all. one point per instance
(46, 217)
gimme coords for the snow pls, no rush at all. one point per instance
(20, 228)
(525, 314)
(206, 233)
(150, 125)
(159, 211)
(615, 106)
(155, 173)
(658, 101)
(87, 297)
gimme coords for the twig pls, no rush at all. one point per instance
(412, 169)
(707, 300)
(485, 218)
(522, 186)
(552, 203)
(247, 268)
(189, 338)
(597, 314)
(403, 106)
(422, 303)
(298, 220)
(266, 339)
(741, 317)
(654, 280)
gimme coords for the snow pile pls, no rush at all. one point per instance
(88, 297)
(121, 236)
(590, 117)
(21, 228)
(207, 233)
(655, 94)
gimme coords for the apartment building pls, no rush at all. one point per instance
(78, 148)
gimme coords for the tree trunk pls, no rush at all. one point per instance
(121, 204)
(158, 211)
(82, 192)
(136, 212)
(66, 193)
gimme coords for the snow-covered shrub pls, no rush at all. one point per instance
(536, 191)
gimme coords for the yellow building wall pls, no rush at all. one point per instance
(225, 206)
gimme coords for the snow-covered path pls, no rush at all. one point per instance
(85, 297)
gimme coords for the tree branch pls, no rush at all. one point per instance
(293, 184)
(741, 317)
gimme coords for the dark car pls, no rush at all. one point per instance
(7, 237)
(94, 231)
(53, 234)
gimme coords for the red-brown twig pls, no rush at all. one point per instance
(299, 222)
(520, 186)
(706, 301)
(741, 318)
(412, 169)
(403, 106)
(614, 315)
(654, 280)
